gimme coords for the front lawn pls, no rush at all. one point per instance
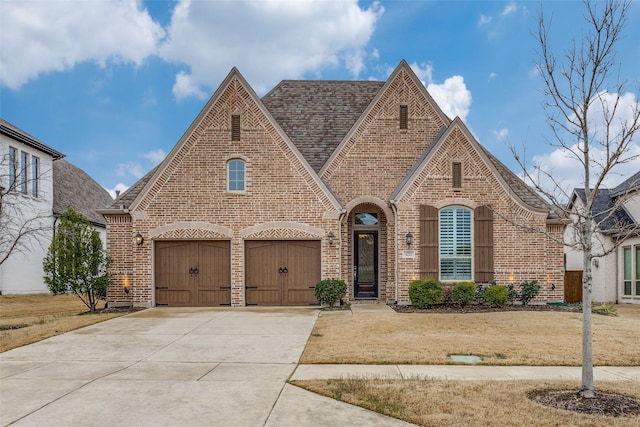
(509, 338)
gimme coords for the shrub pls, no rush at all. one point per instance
(496, 295)
(425, 292)
(528, 291)
(463, 293)
(480, 293)
(330, 291)
(512, 293)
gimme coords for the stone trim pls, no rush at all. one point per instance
(282, 230)
(190, 230)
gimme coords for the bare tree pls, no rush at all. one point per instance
(594, 124)
(22, 224)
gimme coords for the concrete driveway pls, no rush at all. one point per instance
(167, 367)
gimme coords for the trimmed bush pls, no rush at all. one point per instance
(528, 291)
(463, 293)
(330, 291)
(496, 296)
(512, 293)
(425, 292)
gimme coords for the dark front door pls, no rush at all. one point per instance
(365, 267)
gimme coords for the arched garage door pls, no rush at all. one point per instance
(193, 273)
(282, 272)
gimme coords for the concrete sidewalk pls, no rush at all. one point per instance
(463, 373)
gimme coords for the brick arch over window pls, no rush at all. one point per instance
(363, 200)
(482, 243)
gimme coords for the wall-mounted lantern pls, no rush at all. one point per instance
(331, 237)
(138, 239)
(409, 238)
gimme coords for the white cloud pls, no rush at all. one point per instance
(501, 134)
(484, 19)
(266, 40)
(44, 36)
(155, 156)
(452, 96)
(132, 169)
(492, 76)
(509, 9)
(119, 187)
(185, 86)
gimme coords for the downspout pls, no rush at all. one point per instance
(343, 212)
(394, 208)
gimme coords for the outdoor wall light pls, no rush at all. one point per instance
(138, 239)
(331, 237)
(553, 287)
(596, 262)
(126, 284)
(409, 238)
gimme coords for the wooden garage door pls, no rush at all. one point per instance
(193, 274)
(282, 272)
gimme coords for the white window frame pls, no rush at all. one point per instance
(24, 165)
(457, 276)
(634, 272)
(13, 168)
(35, 176)
(234, 179)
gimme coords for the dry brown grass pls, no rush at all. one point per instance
(510, 338)
(467, 403)
(25, 319)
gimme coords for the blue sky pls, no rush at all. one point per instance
(114, 84)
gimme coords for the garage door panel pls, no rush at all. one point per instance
(281, 272)
(262, 282)
(192, 273)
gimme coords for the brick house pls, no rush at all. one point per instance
(366, 181)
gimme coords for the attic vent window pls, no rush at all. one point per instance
(404, 116)
(235, 127)
(457, 175)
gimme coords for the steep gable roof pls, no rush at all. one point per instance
(317, 115)
(510, 182)
(611, 215)
(18, 134)
(142, 188)
(73, 187)
(401, 68)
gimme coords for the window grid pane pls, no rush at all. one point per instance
(24, 158)
(35, 172)
(13, 159)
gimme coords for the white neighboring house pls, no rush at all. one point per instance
(37, 185)
(616, 276)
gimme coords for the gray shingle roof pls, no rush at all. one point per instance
(132, 192)
(73, 187)
(610, 219)
(317, 115)
(631, 184)
(18, 134)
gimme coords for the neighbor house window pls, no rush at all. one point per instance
(455, 243)
(13, 167)
(35, 176)
(24, 161)
(631, 279)
(236, 175)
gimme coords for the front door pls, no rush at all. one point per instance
(365, 267)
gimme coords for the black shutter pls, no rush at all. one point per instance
(429, 242)
(483, 244)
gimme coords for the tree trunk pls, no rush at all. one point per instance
(587, 389)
